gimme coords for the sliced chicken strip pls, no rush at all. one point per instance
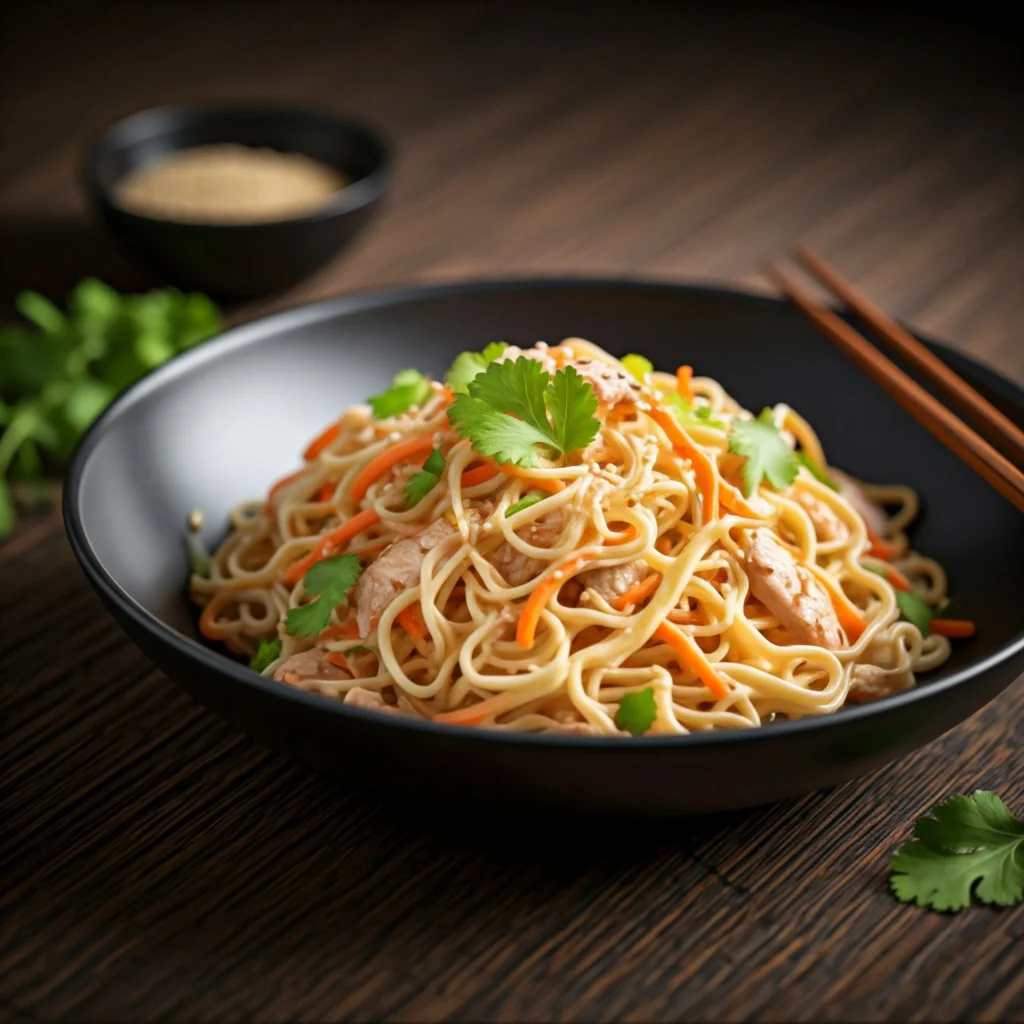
(827, 525)
(359, 697)
(611, 385)
(881, 675)
(790, 592)
(396, 569)
(614, 580)
(311, 664)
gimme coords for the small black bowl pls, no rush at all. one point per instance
(239, 259)
(216, 425)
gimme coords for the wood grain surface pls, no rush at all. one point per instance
(156, 865)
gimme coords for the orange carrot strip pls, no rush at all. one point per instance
(896, 578)
(387, 459)
(321, 441)
(622, 536)
(329, 543)
(325, 493)
(955, 629)
(685, 618)
(647, 586)
(692, 657)
(882, 549)
(479, 475)
(732, 498)
(684, 377)
(663, 545)
(848, 614)
(478, 712)
(703, 468)
(338, 659)
(411, 623)
(283, 482)
(539, 597)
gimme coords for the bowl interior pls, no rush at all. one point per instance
(218, 425)
(352, 149)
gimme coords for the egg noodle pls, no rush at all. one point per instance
(637, 570)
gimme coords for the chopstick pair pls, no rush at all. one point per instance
(966, 443)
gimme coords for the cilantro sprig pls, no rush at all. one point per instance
(468, 364)
(58, 374)
(637, 366)
(515, 411)
(269, 651)
(524, 502)
(409, 388)
(637, 711)
(423, 482)
(767, 454)
(969, 844)
(329, 581)
(915, 610)
(690, 415)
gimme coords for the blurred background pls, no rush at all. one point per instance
(675, 140)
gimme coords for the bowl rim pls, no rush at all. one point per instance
(371, 298)
(352, 197)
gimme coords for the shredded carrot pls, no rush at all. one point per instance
(329, 543)
(284, 482)
(685, 618)
(955, 629)
(447, 394)
(896, 578)
(848, 614)
(622, 536)
(732, 498)
(541, 594)
(692, 657)
(412, 623)
(684, 378)
(663, 545)
(882, 549)
(703, 468)
(321, 441)
(325, 493)
(208, 624)
(337, 659)
(345, 631)
(479, 474)
(636, 593)
(476, 713)
(387, 459)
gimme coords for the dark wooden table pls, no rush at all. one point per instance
(154, 864)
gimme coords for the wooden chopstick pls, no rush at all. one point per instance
(965, 443)
(990, 421)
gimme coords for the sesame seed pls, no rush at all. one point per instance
(532, 667)
(541, 346)
(195, 520)
(487, 527)
(394, 436)
(558, 574)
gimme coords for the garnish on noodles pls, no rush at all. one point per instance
(556, 541)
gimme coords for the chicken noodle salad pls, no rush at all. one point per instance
(554, 540)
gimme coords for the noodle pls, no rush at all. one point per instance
(747, 650)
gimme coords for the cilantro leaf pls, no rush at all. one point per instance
(815, 470)
(468, 364)
(637, 366)
(422, 483)
(690, 415)
(505, 412)
(968, 843)
(637, 711)
(915, 610)
(572, 404)
(766, 452)
(6, 508)
(525, 502)
(409, 388)
(268, 653)
(331, 579)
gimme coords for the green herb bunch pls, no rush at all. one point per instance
(60, 373)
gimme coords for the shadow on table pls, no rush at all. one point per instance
(52, 256)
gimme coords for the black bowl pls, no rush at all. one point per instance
(219, 423)
(239, 259)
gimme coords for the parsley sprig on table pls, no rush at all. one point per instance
(968, 844)
(517, 412)
(59, 374)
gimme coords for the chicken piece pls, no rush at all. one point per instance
(611, 385)
(827, 525)
(360, 697)
(397, 569)
(517, 568)
(871, 512)
(311, 664)
(881, 674)
(613, 581)
(790, 592)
